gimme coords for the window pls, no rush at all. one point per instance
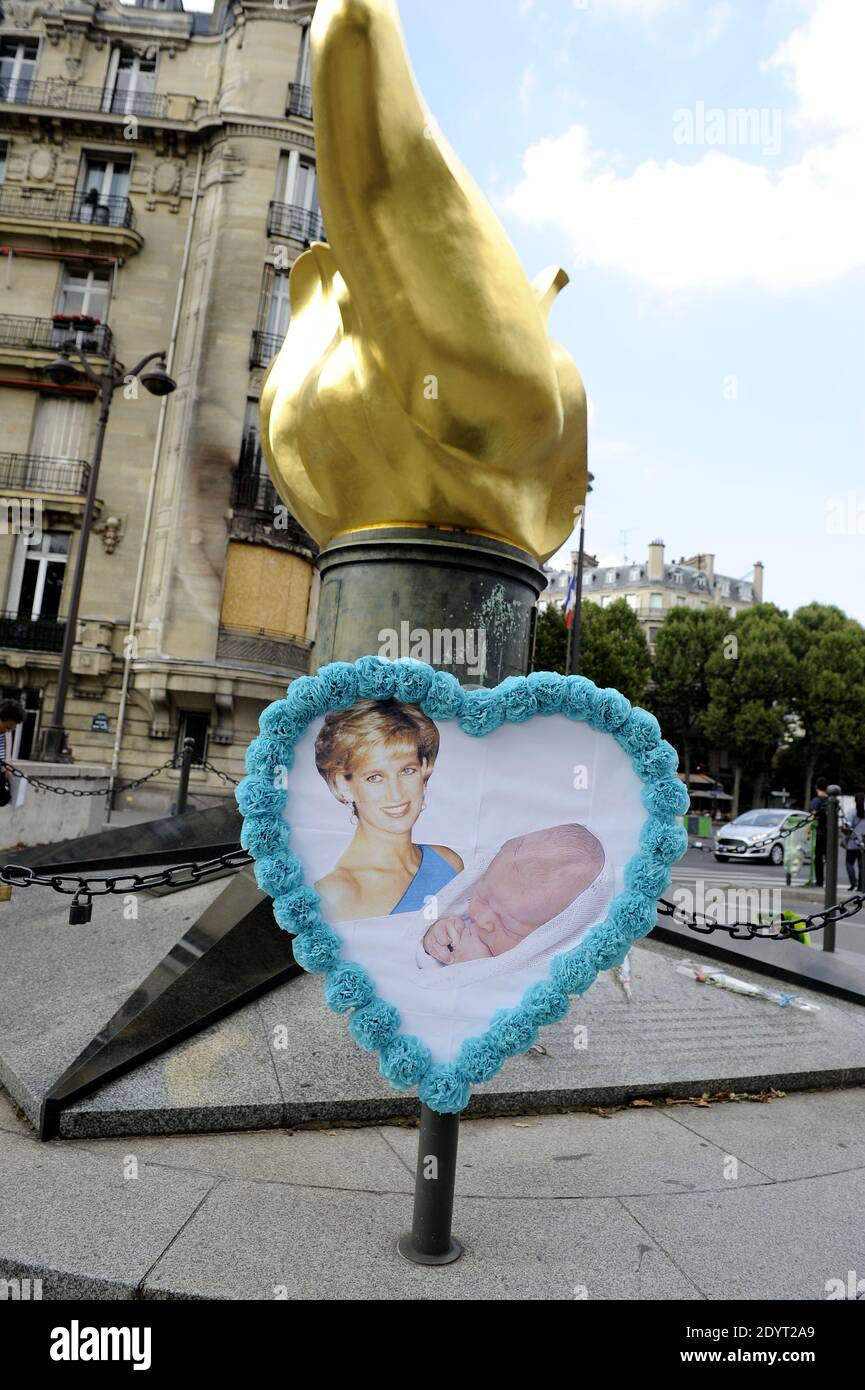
(103, 185)
(303, 77)
(84, 291)
(677, 577)
(611, 576)
(17, 68)
(633, 601)
(191, 724)
(636, 575)
(745, 592)
(680, 600)
(61, 428)
(38, 569)
(2, 162)
(724, 588)
(131, 82)
(274, 314)
(296, 181)
(656, 600)
(251, 458)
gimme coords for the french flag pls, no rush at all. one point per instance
(571, 602)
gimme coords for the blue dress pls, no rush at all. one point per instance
(433, 873)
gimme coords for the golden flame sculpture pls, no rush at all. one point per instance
(417, 384)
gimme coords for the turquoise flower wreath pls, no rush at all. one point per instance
(405, 1061)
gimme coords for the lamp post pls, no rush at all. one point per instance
(63, 372)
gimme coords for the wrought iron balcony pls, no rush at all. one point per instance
(56, 205)
(299, 101)
(47, 336)
(254, 497)
(264, 348)
(39, 473)
(20, 632)
(300, 224)
(68, 96)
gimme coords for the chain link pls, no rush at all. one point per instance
(121, 786)
(776, 929)
(71, 884)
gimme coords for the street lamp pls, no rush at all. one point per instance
(63, 372)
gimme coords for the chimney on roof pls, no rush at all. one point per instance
(656, 561)
(758, 580)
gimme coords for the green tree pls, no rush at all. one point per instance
(829, 697)
(680, 694)
(551, 641)
(751, 680)
(613, 649)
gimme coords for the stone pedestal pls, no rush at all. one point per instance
(464, 603)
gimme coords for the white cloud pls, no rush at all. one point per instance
(639, 9)
(723, 220)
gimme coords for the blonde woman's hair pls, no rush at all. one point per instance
(347, 734)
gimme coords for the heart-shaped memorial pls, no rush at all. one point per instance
(457, 863)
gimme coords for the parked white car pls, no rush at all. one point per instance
(756, 835)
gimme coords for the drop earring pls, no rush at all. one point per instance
(353, 817)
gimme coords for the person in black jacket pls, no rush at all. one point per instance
(818, 808)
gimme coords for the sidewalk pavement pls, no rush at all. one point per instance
(731, 1200)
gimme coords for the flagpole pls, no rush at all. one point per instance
(572, 664)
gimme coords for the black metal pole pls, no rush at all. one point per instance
(54, 736)
(183, 784)
(430, 1242)
(576, 629)
(831, 874)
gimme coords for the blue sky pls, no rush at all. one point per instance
(717, 265)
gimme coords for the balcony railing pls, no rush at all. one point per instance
(254, 496)
(264, 348)
(39, 473)
(56, 205)
(301, 224)
(299, 101)
(23, 633)
(68, 96)
(48, 336)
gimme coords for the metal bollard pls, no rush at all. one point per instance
(183, 784)
(831, 878)
(429, 1242)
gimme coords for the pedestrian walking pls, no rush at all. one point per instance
(854, 843)
(818, 808)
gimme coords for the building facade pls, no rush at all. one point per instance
(655, 586)
(158, 181)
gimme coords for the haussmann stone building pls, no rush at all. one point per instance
(157, 180)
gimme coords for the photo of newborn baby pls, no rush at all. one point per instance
(530, 881)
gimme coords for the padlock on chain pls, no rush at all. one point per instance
(81, 908)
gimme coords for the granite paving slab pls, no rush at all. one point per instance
(287, 1060)
(787, 1239)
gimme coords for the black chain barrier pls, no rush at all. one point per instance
(774, 930)
(121, 786)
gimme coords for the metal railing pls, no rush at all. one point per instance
(48, 336)
(40, 473)
(263, 348)
(253, 492)
(22, 633)
(56, 205)
(300, 224)
(56, 92)
(299, 101)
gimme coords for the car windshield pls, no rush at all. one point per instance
(762, 818)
